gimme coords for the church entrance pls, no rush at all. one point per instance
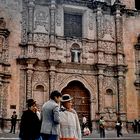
(81, 99)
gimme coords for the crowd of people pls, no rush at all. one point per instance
(136, 126)
(58, 120)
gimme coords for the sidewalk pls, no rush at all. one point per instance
(110, 135)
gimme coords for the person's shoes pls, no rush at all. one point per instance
(10, 132)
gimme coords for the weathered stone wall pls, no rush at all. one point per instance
(130, 36)
(40, 75)
(11, 12)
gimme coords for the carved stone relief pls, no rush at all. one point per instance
(58, 17)
(41, 53)
(24, 23)
(41, 77)
(109, 47)
(109, 59)
(110, 115)
(41, 20)
(90, 21)
(5, 99)
(108, 26)
(41, 39)
(120, 59)
(109, 83)
(6, 51)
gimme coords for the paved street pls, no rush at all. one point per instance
(95, 136)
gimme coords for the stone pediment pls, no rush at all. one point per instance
(107, 37)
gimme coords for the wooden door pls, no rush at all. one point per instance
(81, 99)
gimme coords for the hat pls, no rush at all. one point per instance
(66, 97)
(14, 111)
(30, 102)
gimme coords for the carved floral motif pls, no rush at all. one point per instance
(41, 39)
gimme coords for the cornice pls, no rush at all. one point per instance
(4, 32)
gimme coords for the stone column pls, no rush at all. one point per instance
(31, 5)
(93, 114)
(52, 21)
(99, 17)
(100, 54)
(52, 81)
(121, 67)
(121, 93)
(52, 44)
(30, 69)
(100, 88)
(52, 73)
(29, 83)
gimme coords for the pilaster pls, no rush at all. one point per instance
(100, 79)
(121, 92)
(52, 73)
(52, 44)
(31, 5)
(30, 68)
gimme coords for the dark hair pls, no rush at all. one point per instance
(54, 94)
(101, 117)
(30, 102)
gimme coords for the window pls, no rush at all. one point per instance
(75, 53)
(137, 4)
(72, 25)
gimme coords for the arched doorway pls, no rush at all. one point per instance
(81, 99)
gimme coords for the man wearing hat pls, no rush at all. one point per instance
(30, 123)
(69, 122)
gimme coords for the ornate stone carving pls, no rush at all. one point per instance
(110, 83)
(40, 77)
(121, 95)
(108, 26)
(52, 23)
(5, 99)
(99, 23)
(41, 20)
(109, 59)
(29, 84)
(90, 21)
(41, 39)
(41, 53)
(31, 6)
(58, 18)
(24, 24)
(52, 80)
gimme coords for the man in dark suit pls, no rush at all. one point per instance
(50, 117)
(13, 122)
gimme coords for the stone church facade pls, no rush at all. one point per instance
(87, 48)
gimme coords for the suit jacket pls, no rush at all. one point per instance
(29, 126)
(50, 118)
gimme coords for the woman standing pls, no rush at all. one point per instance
(69, 122)
(30, 123)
